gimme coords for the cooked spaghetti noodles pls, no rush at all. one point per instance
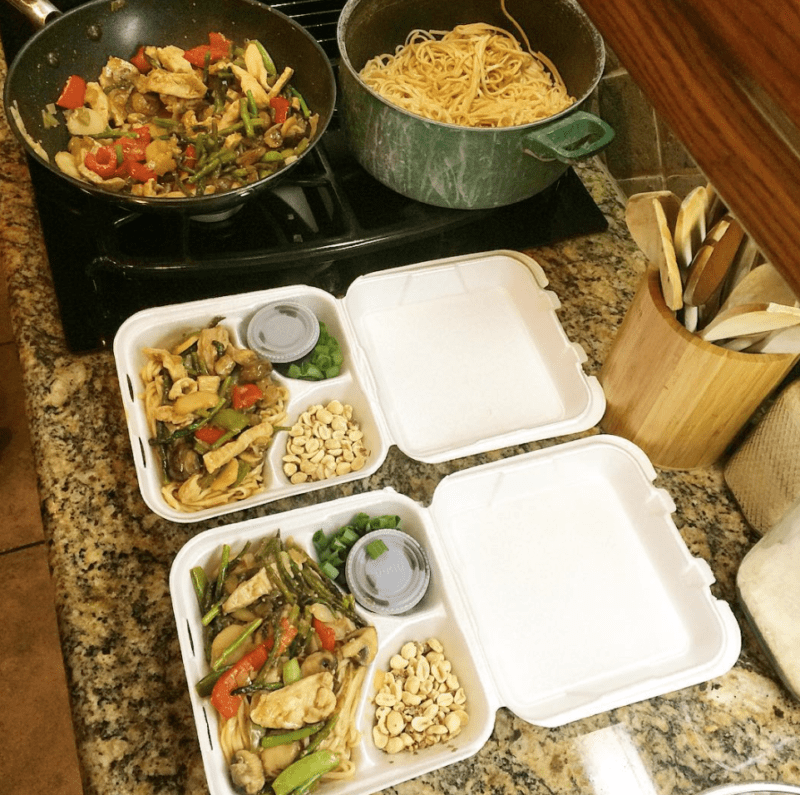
(475, 75)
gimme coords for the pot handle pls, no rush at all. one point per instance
(37, 11)
(575, 137)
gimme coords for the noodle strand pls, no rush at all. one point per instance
(476, 75)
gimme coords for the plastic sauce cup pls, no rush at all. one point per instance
(396, 580)
(283, 331)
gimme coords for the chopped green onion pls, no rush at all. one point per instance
(376, 548)
(332, 550)
(329, 570)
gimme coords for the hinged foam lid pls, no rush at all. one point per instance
(579, 587)
(467, 355)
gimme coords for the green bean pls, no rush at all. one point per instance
(301, 772)
(248, 631)
(303, 106)
(212, 613)
(205, 686)
(269, 64)
(200, 583)
(251, 104)
(246, 120)
(214, 162)
(321, 735)
(255, 687)
(271, 740)
(223, 571)
(109, 133)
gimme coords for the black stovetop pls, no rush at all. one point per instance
(325, 223)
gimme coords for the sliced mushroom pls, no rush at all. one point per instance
(247, 772)
(182, 462)
(278, 758)
(361, 645)
(319, 661)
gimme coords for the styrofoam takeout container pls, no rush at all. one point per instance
(444, 359)
(560, 587)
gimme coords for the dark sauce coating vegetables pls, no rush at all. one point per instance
(171, 122)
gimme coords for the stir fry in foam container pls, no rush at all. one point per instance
(559, 586)
(444, 359)
(171, 122)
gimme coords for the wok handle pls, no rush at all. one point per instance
(574, 137)
(37, 11)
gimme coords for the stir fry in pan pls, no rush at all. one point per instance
(171, 122)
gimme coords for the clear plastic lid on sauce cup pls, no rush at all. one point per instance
(283, 331)
(394, 581)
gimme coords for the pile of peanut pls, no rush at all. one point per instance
(324, 442)
(419, 701)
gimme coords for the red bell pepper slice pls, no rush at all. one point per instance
(190, 156)
(140, 172)
(281, 107)
(208, 434)
(219, 42)
(246, 395)
(140, 61)
(134, 148)
(222, 698)
(103, 162)
(326, 635)
(218, 47)
(73, 94)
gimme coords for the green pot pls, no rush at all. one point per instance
(466, 167)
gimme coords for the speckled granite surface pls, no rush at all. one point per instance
(111, 558)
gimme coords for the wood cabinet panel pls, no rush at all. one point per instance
(725, 76)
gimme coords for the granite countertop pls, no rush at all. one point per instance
(110, 557)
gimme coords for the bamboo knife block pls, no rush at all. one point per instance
(680, 399)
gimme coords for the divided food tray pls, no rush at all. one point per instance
(560, 588)
(444, 359)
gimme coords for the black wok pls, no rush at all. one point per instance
(81, 40)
